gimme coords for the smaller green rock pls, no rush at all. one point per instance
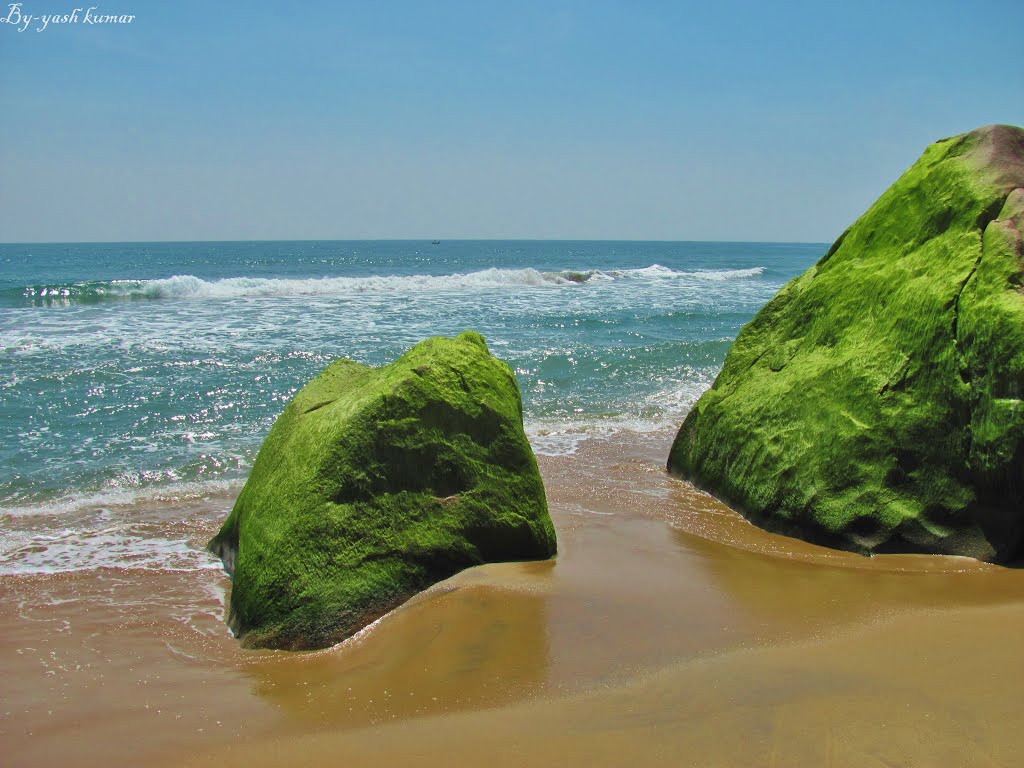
(376, 483)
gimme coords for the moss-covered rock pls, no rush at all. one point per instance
(376, 483)
(875, 403)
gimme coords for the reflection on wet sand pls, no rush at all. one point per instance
(668, 628)
(916, 691)
(465, 644)
(797, 587)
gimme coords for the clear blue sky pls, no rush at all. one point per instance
(652, 120)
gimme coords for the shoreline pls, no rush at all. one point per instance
(654, 582)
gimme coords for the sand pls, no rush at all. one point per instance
(667, 630)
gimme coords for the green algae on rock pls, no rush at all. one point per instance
(875, 402)
(376, 483)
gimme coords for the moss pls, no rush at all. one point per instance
(873, 404)
(376, 483)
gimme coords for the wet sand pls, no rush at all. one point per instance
(668, 628)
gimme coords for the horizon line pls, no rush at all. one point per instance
(428, 240)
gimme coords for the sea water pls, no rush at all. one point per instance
(139, 375)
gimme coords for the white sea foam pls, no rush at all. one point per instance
(659, 411)
(154, 528)
(192, 287)
(164, 493)
(658, 272)
(23, 553)
(187, 286)
(563, 438)
(725, 274)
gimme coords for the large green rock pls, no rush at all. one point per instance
(875, 403)
(376, 483)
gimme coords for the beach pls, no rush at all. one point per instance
(666, 628)
(407, 385)
(140, 385)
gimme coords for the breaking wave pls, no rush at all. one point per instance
(191, 287)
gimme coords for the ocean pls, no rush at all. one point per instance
(143, 374)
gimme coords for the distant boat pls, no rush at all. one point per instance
(436, 242)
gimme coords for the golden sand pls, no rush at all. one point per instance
(668, 630)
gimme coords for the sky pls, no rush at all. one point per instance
(722, 120)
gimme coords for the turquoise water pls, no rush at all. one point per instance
(131, 372)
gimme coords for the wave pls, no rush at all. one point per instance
(192, 287)
(656, 271)
(660, 412)
(70, 550)
(159, 493)
(153, 528)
